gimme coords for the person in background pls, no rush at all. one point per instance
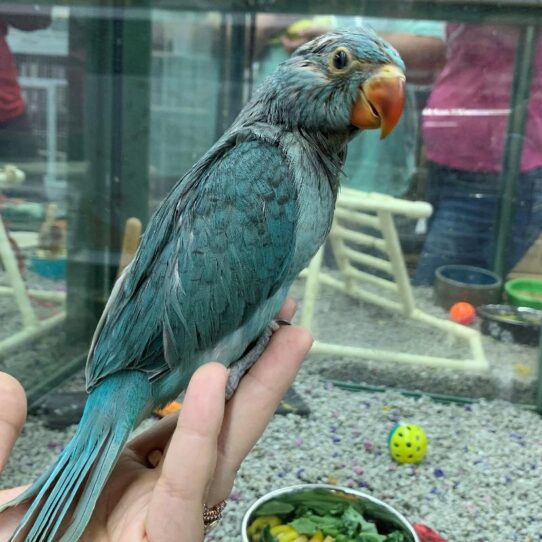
(464, 128)
(16, 138)
(388, 166)
(385, 166)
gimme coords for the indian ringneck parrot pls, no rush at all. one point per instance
(218, 257)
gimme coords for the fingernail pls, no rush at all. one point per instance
(154, 458)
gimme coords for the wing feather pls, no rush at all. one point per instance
(217, 248)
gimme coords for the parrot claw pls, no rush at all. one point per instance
(280, 322)
(239, 368)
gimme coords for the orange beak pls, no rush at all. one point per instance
(381, 101)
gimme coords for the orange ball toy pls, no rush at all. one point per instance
(462, 313)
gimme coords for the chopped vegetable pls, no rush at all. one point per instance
(284, 533)
(266, 535)
(258, 524)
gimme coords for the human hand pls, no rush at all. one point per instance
(291, 42)
(164, 477)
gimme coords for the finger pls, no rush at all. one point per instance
(291, 44)
(249, 410)
(150, 445)
(154, 440)
(12, 414)
(287, 310)
(313, 32)
(10, 518)
(176, 507)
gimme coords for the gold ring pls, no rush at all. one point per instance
(212, 516)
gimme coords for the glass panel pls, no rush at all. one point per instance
(104, 108)
(450, 149)
(185, 72)
(33, 183)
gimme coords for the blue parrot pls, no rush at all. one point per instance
(218, 257)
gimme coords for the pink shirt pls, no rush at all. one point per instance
(465, 120)
(11, 100)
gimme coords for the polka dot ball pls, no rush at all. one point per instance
(407, 443)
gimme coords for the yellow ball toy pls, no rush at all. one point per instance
(407, 443)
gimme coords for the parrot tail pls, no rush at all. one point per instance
(63, 498)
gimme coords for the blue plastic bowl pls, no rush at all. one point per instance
(50, 268)
(474, 285)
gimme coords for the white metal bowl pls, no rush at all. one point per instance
(373, 508)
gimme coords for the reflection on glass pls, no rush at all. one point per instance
(33, 47)
(465, 125)
(94, 131)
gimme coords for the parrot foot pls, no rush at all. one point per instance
(239, 368)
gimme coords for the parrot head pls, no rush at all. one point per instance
(342, 80)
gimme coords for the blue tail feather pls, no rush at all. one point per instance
(63, 498)
(65, 489)
(31, 491)
(92, 491)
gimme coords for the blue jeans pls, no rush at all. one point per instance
(462, 227)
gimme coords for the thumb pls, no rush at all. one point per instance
(12, 414)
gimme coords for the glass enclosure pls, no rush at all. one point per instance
(430, 281)
(103, 108)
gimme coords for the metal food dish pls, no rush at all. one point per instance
(475, 285)
(511, 324)
(373, 509)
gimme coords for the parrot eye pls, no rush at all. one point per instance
(340, 59)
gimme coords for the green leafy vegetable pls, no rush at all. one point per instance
(370, 537)
(267, 536)
(304, 525)
(274, 508)
(396, 536)
(328, 524)
(354, 522)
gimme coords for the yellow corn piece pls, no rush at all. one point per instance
(284, 533)
(259, 523)
(301, 538)
(329, 539)
(318, 536)
(282, 529)
(289, 537)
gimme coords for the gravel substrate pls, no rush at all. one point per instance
(36, 361)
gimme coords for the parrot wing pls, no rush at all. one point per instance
(219, 246)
